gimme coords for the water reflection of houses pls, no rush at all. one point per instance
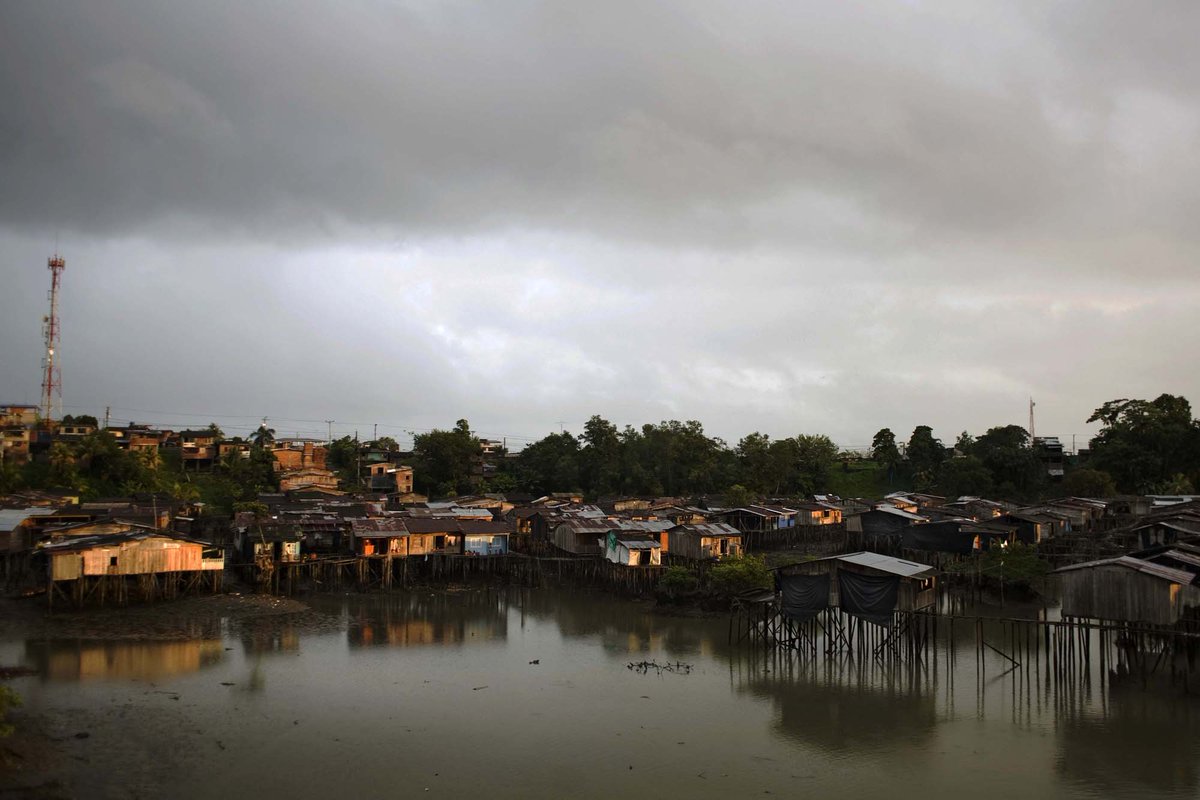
(424, 619)
(864, 707)
(623, 629)
(1132, 748)
(58, 660)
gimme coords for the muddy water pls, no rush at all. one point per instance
(529, 694)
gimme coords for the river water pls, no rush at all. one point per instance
(528, 693)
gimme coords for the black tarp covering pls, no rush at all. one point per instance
(868, 597)
(939, 538)
(803, 596)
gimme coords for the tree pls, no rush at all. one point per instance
(1084, 482)
(215, 430)
(444, 460)
(342, 457)
(549, 465)
(264, 436)
(925, 455)
(63, 472)
(965, 475)
(1007, 453)
(600, 457)
(386, 443)
(1145, 444)
(816, 455)
(737, 496)
(885, 452)
(756, 466)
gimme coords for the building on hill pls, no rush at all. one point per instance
(18, 415)
(198, 449)
(307, 478)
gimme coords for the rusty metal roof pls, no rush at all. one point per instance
(1160, 571)
(708, 529)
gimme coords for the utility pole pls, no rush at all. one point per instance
(329, 422)
(375, 435)
(1031, 431)
(107, 411)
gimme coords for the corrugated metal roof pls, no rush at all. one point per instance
(708, 529)
(10, 518)
(393, 526)
(1148, 567)
(900, 512)
(638, 542)
(895, 566)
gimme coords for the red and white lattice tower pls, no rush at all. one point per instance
(52, 375)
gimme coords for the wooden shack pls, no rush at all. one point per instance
(1129, 589)
(164, 565)
(271, 540)
(483, 537)
(917, 583)
(885, 521)
(379, 537)
(582, 537)
(704, 541)
(632, 549)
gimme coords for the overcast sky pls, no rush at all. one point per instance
(787, 217)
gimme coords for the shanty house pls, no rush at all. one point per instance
(704, 541)
(885, 521)
(632, 549)
(134, 552)
(484, 538)
(869, 585)
(961, 536)
(371, 537)
(1032, 528)
(1129, 589)
(582, 537)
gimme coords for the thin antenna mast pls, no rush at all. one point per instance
(52, 373)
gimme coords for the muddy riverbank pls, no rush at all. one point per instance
(54, 754)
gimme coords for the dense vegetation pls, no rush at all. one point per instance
(1144, 446)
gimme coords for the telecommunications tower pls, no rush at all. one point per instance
(52, 374)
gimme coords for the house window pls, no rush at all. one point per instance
(112, 561)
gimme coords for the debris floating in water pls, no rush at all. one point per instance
(644, 667)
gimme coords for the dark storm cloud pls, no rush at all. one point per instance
(786, 216)
(698, 123)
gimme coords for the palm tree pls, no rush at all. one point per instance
(264, 436)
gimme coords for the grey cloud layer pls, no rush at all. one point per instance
(701, 123)
(830, 216)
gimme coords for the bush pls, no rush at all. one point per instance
(678, 581)
(735, 575)
(8, 700)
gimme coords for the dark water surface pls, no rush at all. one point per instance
(434, 695)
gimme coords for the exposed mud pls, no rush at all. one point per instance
(55, 755)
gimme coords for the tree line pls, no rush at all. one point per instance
(1144, 447)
